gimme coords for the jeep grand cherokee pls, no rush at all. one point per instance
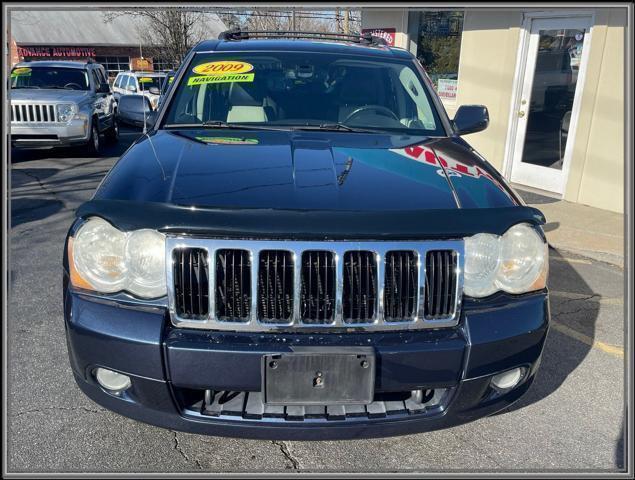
(303, 247)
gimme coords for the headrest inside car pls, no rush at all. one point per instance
(245, 95)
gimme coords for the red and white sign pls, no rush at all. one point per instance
(56, 52)
(387, 34)
(446, 88)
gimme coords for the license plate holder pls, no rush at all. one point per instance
(319, 377)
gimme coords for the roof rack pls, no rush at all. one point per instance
(236, 34)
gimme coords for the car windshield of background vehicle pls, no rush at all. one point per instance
(49, 77)
(439, 49)
(146, 83)
(305, 90)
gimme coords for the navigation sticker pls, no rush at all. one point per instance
(227, 78)
(223, 67)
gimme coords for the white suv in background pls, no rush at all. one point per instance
(144, 83)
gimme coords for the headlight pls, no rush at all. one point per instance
(517, 262)
(145, 259)
(107, 260)
(523, 260)
(65, 112)
(482, 257)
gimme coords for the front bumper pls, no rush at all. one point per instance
(169, 365)
(50, 134)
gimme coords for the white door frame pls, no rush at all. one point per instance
(518, 82)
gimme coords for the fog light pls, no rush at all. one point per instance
(508, 379)
(113, 381)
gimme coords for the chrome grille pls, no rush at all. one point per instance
(273, 284)
(233, 285)
(32, 113)
(360, 286)
(440, 283)
(400, 286)
(191, 283)
(317, 295)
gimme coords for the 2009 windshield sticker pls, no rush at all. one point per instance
(21, 71)
(232, 77)
(223, 67)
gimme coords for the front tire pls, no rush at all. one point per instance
(113, 132)
(94, 143)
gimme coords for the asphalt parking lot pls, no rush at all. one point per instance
(571, 419)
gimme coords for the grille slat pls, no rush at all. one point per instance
(233, 287)
(191, 277)
(441, 278)
(275, 286)
(400, 288)
(360, 287)
(317, 295)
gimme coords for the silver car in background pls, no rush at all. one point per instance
(61, 103)
(141, 83)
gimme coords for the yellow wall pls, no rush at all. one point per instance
(489, 45)
(596, 177)
(487, 64)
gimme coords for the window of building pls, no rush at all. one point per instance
(114, 65)
(439, 49)
(161, 65)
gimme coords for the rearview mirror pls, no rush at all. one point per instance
(471, 119)
(154, 91)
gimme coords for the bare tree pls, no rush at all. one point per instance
(282, 20)
(168, 32)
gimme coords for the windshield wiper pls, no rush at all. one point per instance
(221, 124)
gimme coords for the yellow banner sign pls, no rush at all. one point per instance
(242, 77)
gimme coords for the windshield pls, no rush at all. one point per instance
(49, 77)
(146, 83)
(304, 89)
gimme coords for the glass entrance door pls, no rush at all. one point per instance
(549, 102)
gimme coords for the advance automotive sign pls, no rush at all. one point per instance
(387, 34)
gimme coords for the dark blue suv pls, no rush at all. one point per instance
(303, 247)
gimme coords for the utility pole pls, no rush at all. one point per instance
(347, 20)
(293, 19)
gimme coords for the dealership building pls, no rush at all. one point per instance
(552, 80)
(86, 34)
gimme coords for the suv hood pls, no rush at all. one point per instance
(302, 170)
(48, 95)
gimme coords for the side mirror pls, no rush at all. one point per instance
(471, 119)
(154, 91)
(103, 88)
(131, 88)
(135, 110)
